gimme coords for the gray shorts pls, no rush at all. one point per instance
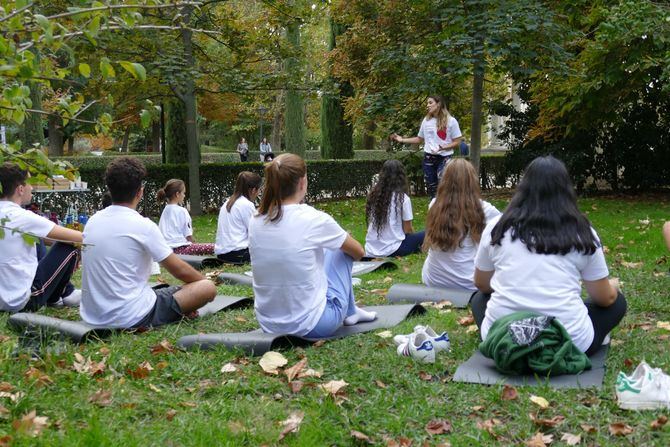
(165, 311)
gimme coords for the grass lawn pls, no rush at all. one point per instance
(187, 400)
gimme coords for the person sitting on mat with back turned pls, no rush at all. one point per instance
(175, 222)
(388, 212)
(454, 225)
(232, 233)
(301, 259)
(120, 246)
(533, 257)
(26, 283)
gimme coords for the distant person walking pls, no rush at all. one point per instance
(440, 135)
(265, 149)
(243, 150)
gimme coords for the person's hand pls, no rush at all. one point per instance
(396, 137)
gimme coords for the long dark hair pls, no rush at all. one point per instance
(392, 180)
(246, 181)
(282, 176)
(543, 212)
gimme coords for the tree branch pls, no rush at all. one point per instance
(14, 13)
(113, 7)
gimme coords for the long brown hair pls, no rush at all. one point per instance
(246, 181)
(457, 211)
(389, 191)
(171, 188)
(442, 115)
(282, 176)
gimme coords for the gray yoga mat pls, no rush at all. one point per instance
(479, 369)
(80, 332)
(236, 278)
(419, 293)
(258, 342)
(201, 262)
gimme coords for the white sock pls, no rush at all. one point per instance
(360, 316)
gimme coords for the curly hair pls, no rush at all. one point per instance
(391, 187)
(457, 211)
(124, 177)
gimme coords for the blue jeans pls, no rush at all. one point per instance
(411, 244)
(433, 165)
(340, 301)
(53, 275)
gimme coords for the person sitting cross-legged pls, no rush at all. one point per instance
(27, 283)
(120, 246)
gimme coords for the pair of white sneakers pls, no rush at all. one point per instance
(422, 344)
(646, 388)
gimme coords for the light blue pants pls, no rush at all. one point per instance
(339, 297)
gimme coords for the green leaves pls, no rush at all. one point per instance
(106, 68)
(135, 69)
(85, 70)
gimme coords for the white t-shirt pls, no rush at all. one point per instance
(232, 232)
(18, 259)
(547, 284)
(121, 245)
(434, 137)
(175, 225)
(287, 258)
(455, 269)
(392, 234)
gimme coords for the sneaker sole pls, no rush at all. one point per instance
(642, 405)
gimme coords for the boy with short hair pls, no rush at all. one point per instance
(25, 282)
(120, 247)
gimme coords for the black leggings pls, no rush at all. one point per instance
(235, 257)
(604, 319)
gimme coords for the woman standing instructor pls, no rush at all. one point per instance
(439, 134)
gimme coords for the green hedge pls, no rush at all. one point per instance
(328, 180)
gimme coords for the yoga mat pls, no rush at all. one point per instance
(363, 267)
(201, 262)
(419, 293)
(479, 369)
(236, 278)
(258, 342)
(80, 332)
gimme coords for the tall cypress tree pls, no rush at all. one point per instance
(336, 133)
(176, 150)
(32, 130)
(295, 120)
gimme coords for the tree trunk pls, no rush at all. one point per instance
(295, 121)
(176, 150)
(477, 100)
(369, 135)
(155, 136)
(163, 141)
(55, 135)
(126, 137)
(191, 126)
(336, 133)
(275, 136)
(32, 132)
(70, 145)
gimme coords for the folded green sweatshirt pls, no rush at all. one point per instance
(530, 343)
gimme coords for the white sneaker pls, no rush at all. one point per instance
(646, 388)
(419, 347)
(73, 299)
(440, 342)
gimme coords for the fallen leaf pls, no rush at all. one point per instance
(384, 334)
(6, 441)
(659, 423)
(228, 368)
(87, 366)
(632, 265)
(539, 401)
(472, 328)
(241, 319)
(37, 376)
(154, 388)
(319, 343)
(360, 436)
(4, 338)
(549, 423)
(334, 386)
(309, 373)
(104, 351)
(388, 279)
(380, 384)
(271, 361)
(477, 408)
(509, 393)
(296, 386)
(628, 363)
(101, 398)
(14, 397)
(31, 424)
(438, 427)
(382, 292)
(571, 439)
(423, 375)
(163, 346)
(488, 425)
(443, 304)
(188, 404)
(292, 424)
(663, 325)
(142, 371)
(4, 412)
(539, 440)
(6, 386)
(170, 414)
(294, 370)
(466, 321)
(588, 428)
(620, 429)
